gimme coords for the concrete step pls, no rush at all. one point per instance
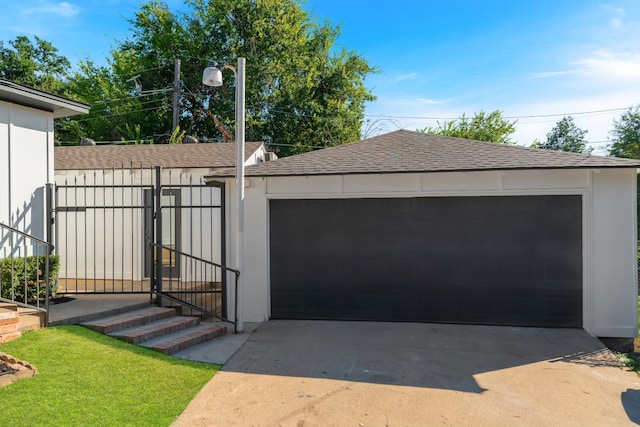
(7, 306)
(30, 319)
(187, 338)
(108, 325)
(86, 308)
(139, 334)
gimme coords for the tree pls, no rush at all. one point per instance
(37, 65)
(566, 136)
(626, 135)
(626, 143)
(481, 127)
(301, 91)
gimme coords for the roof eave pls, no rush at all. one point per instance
(337, 173)
(44, 101)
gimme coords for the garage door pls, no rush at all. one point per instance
(483, 260)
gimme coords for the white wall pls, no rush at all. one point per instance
(612, 259)
(26, 150)
(609, 276)
(108, 243)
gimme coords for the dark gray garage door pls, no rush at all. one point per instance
(486, 260)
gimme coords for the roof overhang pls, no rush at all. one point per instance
(44, 101)
(225, 173)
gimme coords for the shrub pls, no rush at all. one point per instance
(15, 275)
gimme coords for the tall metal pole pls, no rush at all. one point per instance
(176, 95)
(240, 125)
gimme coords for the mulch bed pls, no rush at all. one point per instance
(5, 369)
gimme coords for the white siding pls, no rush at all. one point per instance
(26, 144)
(612, 258)
(609, 263)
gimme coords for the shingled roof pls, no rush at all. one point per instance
(45, 101)
(406, 151)
(216, 155)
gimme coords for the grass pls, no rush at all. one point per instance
(632, 360)
(88, 379)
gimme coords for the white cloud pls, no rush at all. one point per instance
(544, 74)
(616, 21)
(403, 77)
(606, 64)
(598, 123)
(602, 65)
(427, 101)
(61, 9)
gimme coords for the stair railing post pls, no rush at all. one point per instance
(158, 229)
(50, 220)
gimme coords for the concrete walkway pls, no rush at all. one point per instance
(304, 373)
(84, 307)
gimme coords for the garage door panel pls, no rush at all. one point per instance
(457, 259)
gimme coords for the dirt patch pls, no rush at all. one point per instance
(12, 370)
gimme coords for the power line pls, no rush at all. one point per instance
(611, 110)
(167, 106)
(131, 97)
(141, 103)
(160, 67)
(121, 142)
(531, 116)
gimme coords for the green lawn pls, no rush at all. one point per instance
(88, 379)
(632, 360)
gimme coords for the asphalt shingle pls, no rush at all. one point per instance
(217, 155)
(406, 151)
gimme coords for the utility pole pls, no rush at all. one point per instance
(176, 95)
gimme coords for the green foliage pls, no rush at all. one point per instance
(566, 136)
(481, 127)
(629, 360)
(37, 65)
(25, 278)
(301, 90)
(176, 136)
(626, 135)
(88, 379)
(131, 134)
(626, 143)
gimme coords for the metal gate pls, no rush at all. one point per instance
(143, 230)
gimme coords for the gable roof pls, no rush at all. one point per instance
(206, 155)
(34, 98)
(406, 151)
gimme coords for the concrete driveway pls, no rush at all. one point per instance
(321, 373)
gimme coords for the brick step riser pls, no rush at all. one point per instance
(136, 338)
(189, 341)
(9, 320)
(9, 336)
(130, 323)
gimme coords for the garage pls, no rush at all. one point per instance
(412, 227)
(503, 260)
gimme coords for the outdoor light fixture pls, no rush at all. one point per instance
(212, 76)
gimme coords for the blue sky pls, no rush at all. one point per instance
(533, 60)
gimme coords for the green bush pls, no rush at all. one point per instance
(15, 275)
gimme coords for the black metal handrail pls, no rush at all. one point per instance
(157, 280)
(12, 249)
(22, 233)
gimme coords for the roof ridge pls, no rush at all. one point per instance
(404, 151)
